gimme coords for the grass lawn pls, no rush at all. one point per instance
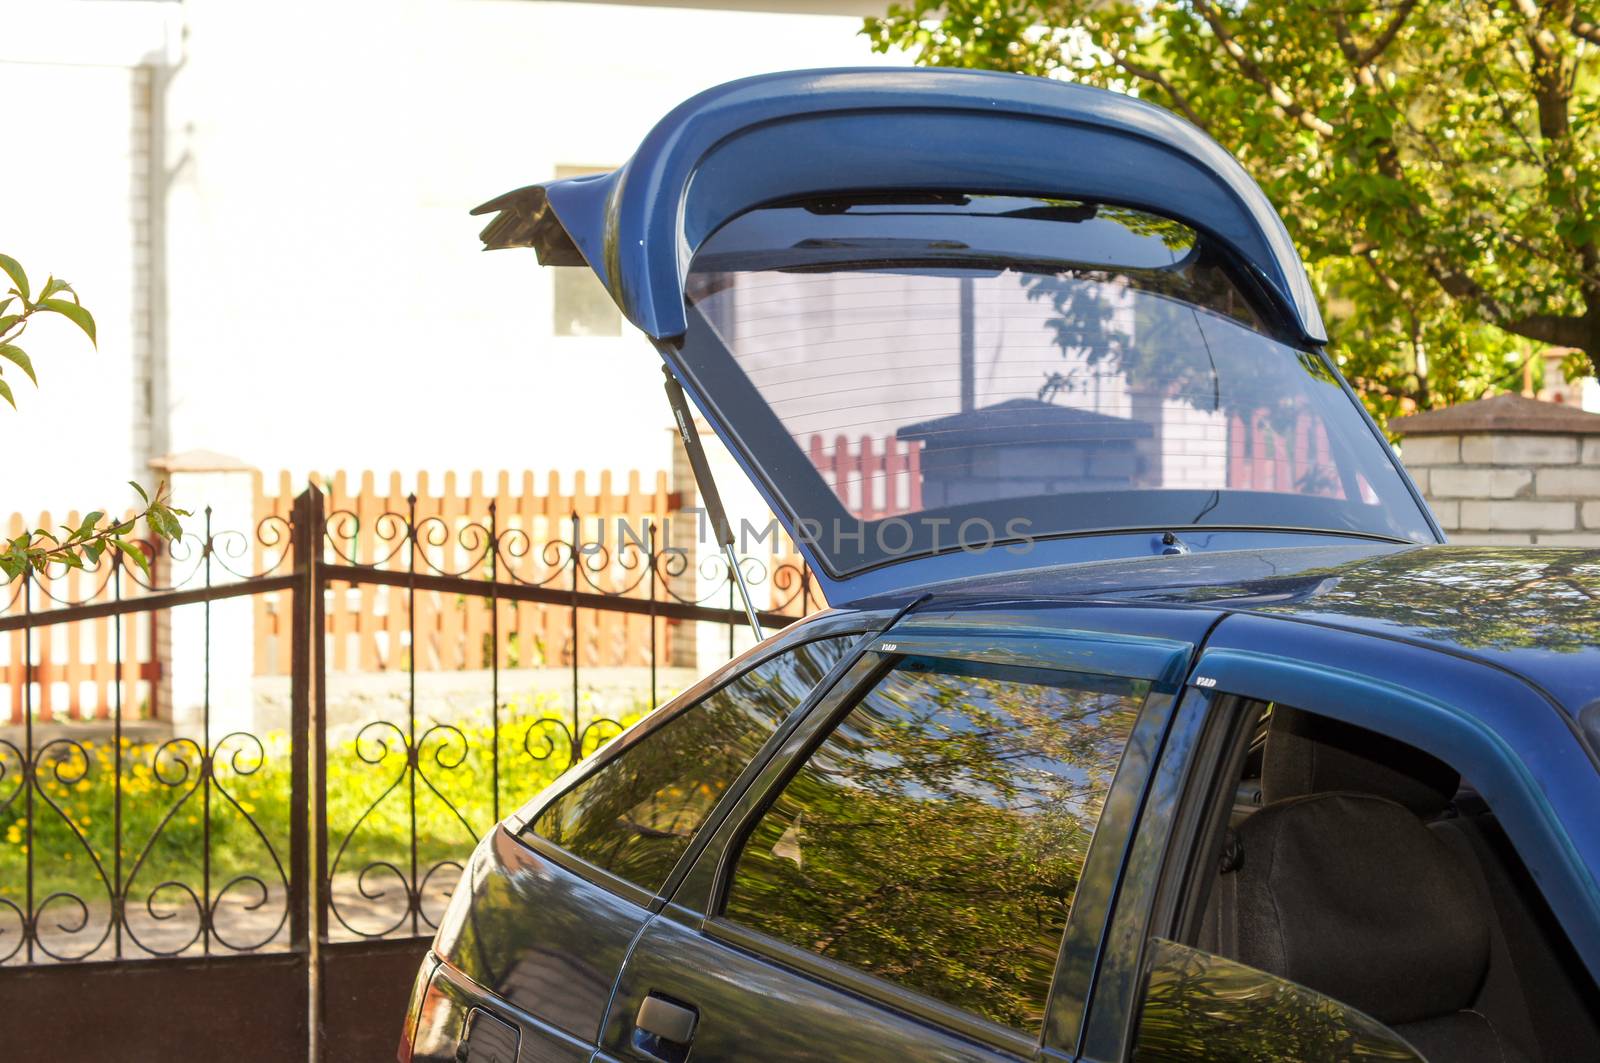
(370, 797)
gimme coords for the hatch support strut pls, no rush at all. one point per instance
(708, 490)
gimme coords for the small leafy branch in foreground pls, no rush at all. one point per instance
(81, 546)
(12, 325)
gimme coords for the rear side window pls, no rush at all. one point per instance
(636, 815)
(936, 837)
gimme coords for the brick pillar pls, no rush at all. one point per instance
(1508, 471)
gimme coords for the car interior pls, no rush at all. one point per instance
(1369, 871)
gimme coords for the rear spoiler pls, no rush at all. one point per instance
(806, 133)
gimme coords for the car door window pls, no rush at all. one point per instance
(636, 814)
(1356, 897)
(936, 836)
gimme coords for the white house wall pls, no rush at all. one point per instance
(71, 203)
(326, 302)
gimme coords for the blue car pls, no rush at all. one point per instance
(1154, 719)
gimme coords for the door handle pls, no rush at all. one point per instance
(663, 1029)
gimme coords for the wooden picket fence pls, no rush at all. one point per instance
(1262, 457)
(75, 666)
(872, 477)
(368, 627)
(882, 477)
(371, 628)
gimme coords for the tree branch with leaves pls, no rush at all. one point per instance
(84, 544)
(1437, 162)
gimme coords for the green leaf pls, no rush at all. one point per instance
(163, 523)
(142, 495)
(8, 322)
(7, 301)
(15, 354)
(73, 312)
(13, 269)
(5, 393)
(87, 525)
(134, 551)
(51, 286)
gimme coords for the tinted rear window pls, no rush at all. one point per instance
(636, 815)
(926, 374)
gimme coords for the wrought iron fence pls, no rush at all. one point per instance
(248, 819)
(110, 826)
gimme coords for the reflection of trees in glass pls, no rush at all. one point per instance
(1174, 234)
(636, 815)
(1157, 302)
(1479, 598)
(1182, 332)
(937, 837)
(1202, 1007)
(1143, 327)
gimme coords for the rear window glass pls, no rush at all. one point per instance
(636, 815)
(950, 372)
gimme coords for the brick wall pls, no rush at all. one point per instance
(1508, 471)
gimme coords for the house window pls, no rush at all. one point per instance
(583, 307)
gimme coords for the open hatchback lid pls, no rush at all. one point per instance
(955, 322)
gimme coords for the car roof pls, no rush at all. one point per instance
(1530, 611)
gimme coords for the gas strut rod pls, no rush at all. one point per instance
(708, 490)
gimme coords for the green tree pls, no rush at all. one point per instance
(1435, 162)
(84, 544)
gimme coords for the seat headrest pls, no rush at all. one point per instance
(1308, 754)
(1352, 896)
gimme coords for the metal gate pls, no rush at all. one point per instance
(268, 856)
